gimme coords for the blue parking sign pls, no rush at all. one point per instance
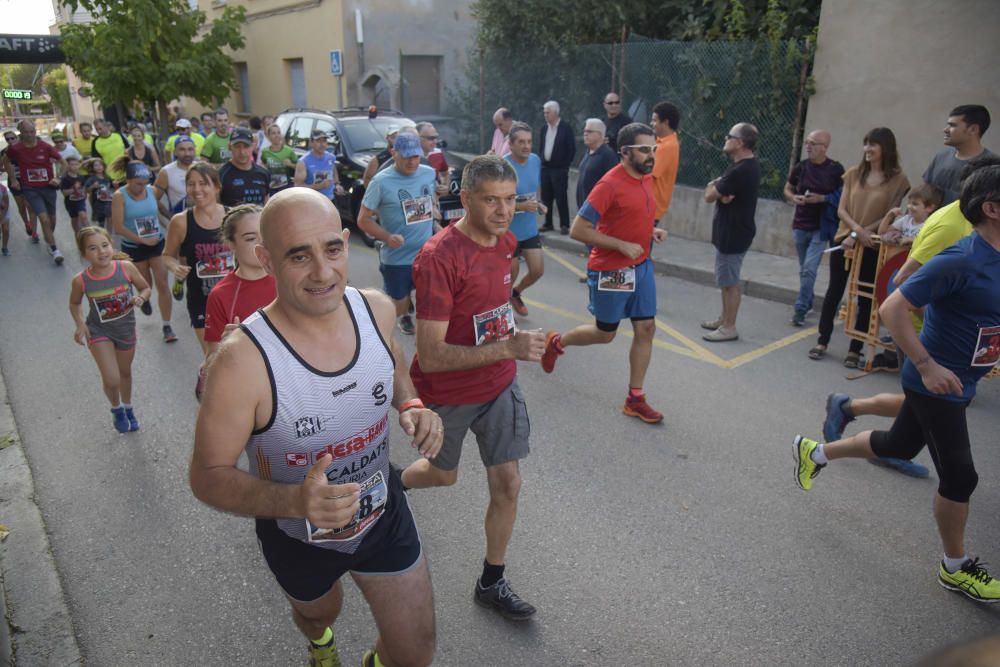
(337, 62)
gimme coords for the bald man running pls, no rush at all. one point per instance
(304, 387)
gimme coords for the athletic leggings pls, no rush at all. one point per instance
(941, 424)
(835, 292)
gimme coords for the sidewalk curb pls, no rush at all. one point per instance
(36, 615)
(752, 288)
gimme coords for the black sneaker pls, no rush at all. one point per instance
(501, 597)
(406, 325)
(146, 308)
(168, 334)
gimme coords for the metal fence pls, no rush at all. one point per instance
(714, 84)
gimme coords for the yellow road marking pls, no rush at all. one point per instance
(770, 347)
(556, 258)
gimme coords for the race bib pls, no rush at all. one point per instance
(225, 154)
(987, 347)
(373, 499)
(38, 175)
(104, 193)
(115, 305)
(215, 267)
(278, 181)
(418, 209)
(321, 176)
(620, 280)
(494, 325)
(147, 226)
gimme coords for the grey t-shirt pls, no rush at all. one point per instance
(944, 172)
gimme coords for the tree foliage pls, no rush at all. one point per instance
(57, 87)
(153, 51)
(534, 22)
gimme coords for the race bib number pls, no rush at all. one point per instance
(113, 306)
(147, 226)
(494, 325)
(104, 193)
(278, 181)
(987, 347)
(321, 176)
(418, 209)
(225, 154)
(620, 280)
(38, 175)
(373, 499)
(215, 267)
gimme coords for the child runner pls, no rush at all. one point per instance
(100, 188)
(109, 284)
(194, 236)
(72, 185)
(242, 292)
(135, 217)
(4, 219)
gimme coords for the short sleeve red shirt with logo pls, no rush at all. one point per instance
(457, 279)
(623, 207)
(34, 165)
(235, 297)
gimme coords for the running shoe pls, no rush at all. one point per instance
(120, 420)
(501, 596)
(29, 229)
(4, 251)
(57, 256)
(805, 468)
(406, 325)
(636, 406)
(518, 305)
(972, 580)
(168, 334)
(34, 239)
(904, 466)
(325, 655)
(369, 658)
(836, 417)
(551, 352)
(133, 423)
(178, 290)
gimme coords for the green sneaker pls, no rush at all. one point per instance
(805, 468)
(972, 580)
(325, 655)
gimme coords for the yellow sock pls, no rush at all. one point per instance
(325, 639)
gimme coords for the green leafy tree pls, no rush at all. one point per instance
(57, 86)
(149, 52)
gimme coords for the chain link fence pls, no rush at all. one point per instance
(714, 84)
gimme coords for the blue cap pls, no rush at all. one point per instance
(183, 139)
(137, 170)
(407, 144)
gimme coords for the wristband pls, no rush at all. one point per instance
(410, 404)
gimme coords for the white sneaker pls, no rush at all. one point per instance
(57, 256)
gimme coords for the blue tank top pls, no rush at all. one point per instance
(320, 168)
(141, 217)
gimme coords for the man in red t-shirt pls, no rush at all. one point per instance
(618, 221)
(35, 177)
(465, 364)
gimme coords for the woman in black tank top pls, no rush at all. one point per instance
(141, 151)
(193, 238)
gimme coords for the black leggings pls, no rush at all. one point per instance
(835, 292)
(941, 424)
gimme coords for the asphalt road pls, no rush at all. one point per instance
(681, 544)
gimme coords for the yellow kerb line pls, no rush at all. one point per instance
(770, 347)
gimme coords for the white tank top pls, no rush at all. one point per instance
(176, 188)
(344, 413)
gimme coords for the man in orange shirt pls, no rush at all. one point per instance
(665, 121)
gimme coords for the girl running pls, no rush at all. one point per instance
(109, 284)
(100, 188)
(134, 216)
(194, 235)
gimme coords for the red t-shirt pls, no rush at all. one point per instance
(34, 165)
(235, 297)
(623, 207)
(467, 285)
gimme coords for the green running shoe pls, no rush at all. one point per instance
(178, 290)
(325, 655)
(805, 468)
(972, 580)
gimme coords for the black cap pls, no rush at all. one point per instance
(241, 135)
(319, 134)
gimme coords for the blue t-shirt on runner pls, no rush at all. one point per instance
(961, 288)
(405, 206)
(529, 176)
(321, 167)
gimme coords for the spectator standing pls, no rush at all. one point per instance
(733, 227)
(599, 159)
(616, 119)
(963, 136)
(809, 185)
(558, 150)
(871, 189)
(502, 120)
(666, 119)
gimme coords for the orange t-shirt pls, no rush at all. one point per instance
(668, 158)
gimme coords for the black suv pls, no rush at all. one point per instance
(355, 138)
